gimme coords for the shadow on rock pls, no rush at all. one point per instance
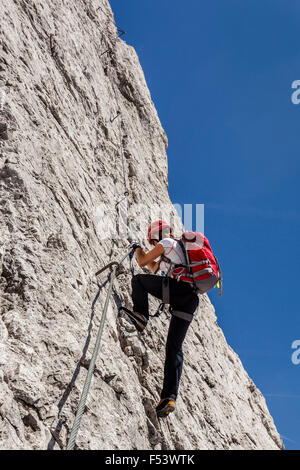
(62, 420)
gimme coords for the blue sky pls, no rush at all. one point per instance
(220, 75)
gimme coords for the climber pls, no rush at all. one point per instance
(181, 295)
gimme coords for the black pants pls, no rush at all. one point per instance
(183, 298)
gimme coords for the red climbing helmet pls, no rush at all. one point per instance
(157, 230)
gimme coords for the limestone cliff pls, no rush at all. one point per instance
(80, 136)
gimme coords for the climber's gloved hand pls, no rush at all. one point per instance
(133, 246)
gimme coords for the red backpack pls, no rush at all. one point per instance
(201, 268)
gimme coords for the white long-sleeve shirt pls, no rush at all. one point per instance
(172, 251)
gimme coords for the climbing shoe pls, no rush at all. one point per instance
(165, 407)
(139, 320)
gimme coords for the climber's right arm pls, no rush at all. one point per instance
(148, 259)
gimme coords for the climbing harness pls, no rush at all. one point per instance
(113, 265)
(109, 265)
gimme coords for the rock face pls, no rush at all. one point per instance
(80, 138)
